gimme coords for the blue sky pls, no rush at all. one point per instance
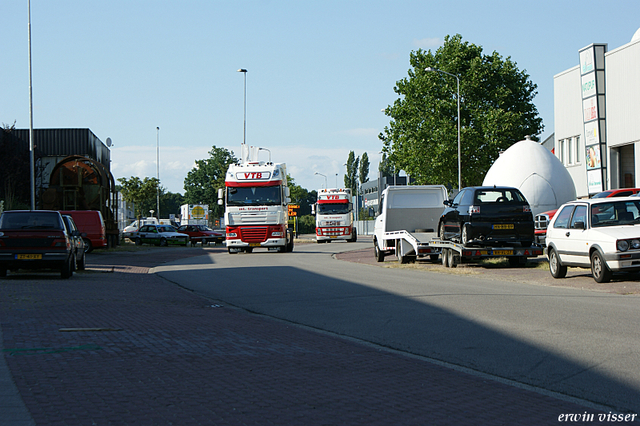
(319, 73)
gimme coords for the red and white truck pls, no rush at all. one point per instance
(334, 216)
(255, 197)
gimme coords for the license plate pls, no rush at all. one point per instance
(333, 236)
(503, 252)
(254, 244)
(28, 256)
(503, 226)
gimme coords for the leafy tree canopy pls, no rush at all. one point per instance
(203, 181)
(142, 193)
(496, 109)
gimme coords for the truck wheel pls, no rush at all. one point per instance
(354, 236)
(378, 253)
(599, 269)
(555, 267)
(451, 258)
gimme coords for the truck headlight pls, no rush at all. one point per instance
(276, 234)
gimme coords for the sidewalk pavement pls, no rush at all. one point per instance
(115, 345)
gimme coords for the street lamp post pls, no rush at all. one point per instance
(430, 69)
(158, 170)
(325, 179)
(244, 71)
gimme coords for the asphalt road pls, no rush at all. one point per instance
(584, 344)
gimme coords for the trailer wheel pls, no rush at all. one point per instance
(378, 253)
(451, 259)
(445, 257)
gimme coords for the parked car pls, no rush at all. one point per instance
(598, 233)
(77, 242)
(130, 230)
(487, 216)
(35, 239)
(201, 234)
(91, 223)
(160, 235)
(542, 220)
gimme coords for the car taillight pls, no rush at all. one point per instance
(526, 208)
(474, 209)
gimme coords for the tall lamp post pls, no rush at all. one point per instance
(158, 170)
(32, 169)
(244, 71)
(430, 69)
(325, 179)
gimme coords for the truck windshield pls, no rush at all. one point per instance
(254, 196)
(333, 208)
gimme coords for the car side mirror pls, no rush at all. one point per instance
(579, 225)
(447, 202)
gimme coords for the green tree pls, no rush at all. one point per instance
(142, 193)
(170, 203)
(203, 181)
(497, 110)
(364, 168)
(301, 196)
(351, 177)
(385, 165)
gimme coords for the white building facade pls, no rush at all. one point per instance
(597, 118)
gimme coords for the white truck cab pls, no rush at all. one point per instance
(334, 216)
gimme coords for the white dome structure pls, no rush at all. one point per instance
(536, 172)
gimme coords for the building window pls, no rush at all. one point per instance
(569, 151)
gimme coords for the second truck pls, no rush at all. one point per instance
(334, 216)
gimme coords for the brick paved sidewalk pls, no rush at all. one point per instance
(152, 353)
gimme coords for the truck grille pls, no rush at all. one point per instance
(542, 221)
(257, 234)
(333, 232)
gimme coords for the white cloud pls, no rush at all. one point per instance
(427, 43)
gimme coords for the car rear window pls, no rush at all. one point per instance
(31, 220)
(498, 195)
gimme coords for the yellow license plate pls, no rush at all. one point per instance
(507, 226)
(254, 244)
(333, 236)
(29, 256)
(503, 252)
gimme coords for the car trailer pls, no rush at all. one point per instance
(454, 254)
(408, 246)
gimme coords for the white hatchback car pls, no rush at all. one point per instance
(599, 233)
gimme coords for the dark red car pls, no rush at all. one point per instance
(201, 234)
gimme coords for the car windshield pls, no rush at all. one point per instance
(615, 213)
(31, 220)
(254, 196)
(204, 228)
(333, 208)
(166, 228)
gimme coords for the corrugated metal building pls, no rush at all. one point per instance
(53, 145)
